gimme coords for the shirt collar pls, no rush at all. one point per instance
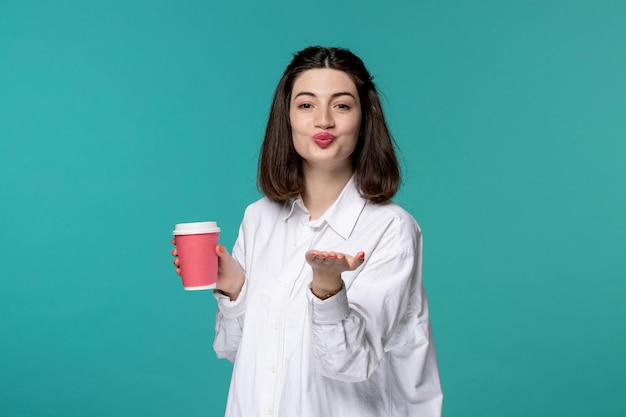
(292, 205)
(343, 214)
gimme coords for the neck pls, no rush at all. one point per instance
(322, 187)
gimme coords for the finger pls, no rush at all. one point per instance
(173, 241)
(221, 251)
(174, 252)
(358, 260)
(176, 263)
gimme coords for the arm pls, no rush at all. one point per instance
(230, 294)
(382, 308)
(228, 325)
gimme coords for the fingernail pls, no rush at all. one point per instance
(362, 255)
(220, 248)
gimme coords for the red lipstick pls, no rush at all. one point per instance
(323, 139)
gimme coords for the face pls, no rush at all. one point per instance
(325, 116)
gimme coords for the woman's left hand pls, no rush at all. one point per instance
(327, 268)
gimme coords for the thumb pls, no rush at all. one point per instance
(221, 251)
(356, 261)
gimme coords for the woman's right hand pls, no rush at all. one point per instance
(230, 276)
(175, 255)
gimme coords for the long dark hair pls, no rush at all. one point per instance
(374, 161)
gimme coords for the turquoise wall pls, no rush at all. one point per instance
(120, 118)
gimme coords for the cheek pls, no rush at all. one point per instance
(296, 122)
(355, 126)
(297, 133)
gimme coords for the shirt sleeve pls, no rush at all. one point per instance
(230, 314)
(380, 310)
(229, 324)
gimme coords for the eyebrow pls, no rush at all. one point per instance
(335, 95)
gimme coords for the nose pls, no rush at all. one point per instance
(324, 118)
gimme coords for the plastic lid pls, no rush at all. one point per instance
(196, 228)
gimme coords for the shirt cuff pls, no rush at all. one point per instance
(232, 309)
(330, 310)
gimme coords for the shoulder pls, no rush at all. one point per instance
(396, 225)
(263, 208)
(392, 212)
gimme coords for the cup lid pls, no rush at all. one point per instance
(196, 228)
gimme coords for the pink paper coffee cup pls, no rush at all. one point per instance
(195, 243)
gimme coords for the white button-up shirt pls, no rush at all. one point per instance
(367, 351)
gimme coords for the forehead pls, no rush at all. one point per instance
(322, 81)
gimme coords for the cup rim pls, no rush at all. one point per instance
(195, 228)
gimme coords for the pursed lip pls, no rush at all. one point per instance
(324, 136)
(323, 139)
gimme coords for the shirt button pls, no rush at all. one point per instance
(285, 284)
(270, 411)
(273, 369)
(276, 326)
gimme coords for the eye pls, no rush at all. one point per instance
(342, 106)
(304, 106)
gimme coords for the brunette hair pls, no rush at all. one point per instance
(374, 161)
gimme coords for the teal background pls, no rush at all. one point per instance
(119, 119)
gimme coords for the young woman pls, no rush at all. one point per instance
(321, 306)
